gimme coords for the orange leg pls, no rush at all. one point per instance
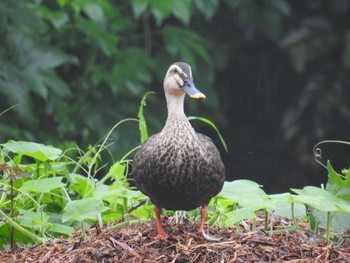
(204, 211)
(161, 232)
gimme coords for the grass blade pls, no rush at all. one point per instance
(142, 120)
(213, 126)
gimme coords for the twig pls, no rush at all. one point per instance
(125, 247)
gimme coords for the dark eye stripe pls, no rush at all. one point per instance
(182, 75)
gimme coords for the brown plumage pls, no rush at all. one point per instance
(178, 168)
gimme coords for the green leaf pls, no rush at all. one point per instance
(213, 126)
(116, 171)
(161, 9)
(61, 229)
(344, 207)
(84, 186)
(105, 40)
(94, 11)
(190, 46)
(37, 151)
(240, 214)
(244, 192)
(52, 58)
(317, 198)
(182, 10)
(35, 220)
(80, 210)
(337, 185)
(62, 2)
(284, 210)
(339, 222)
(208, 8)
(42, 185)
(139, 7)
(142, 120)
(346, 172)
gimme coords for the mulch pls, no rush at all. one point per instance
(136, 243)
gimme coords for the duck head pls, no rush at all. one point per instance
(178, 81)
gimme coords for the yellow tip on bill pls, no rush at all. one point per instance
(198, 95)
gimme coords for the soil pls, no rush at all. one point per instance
(136, 243)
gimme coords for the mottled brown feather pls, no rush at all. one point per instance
(178, 168)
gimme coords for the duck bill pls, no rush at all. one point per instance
(191, 90)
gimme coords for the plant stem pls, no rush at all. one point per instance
(328, 225)
(293, 216)
(266, 220)
(126, 211)
(21, 229)
(94, 158)
(12, 207)
(125, 223)
(83, 233)
(289, 229)
(254, 224)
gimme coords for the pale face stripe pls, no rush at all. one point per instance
(180, 71)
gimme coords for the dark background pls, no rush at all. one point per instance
(276, 76)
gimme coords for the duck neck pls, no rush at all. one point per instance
(177, 121)
(175, 105)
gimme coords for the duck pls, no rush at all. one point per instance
(178, 168)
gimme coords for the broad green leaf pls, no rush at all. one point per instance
(56, 84)
(339, 222)
(116, 171)
(94, 11)
(84, 186)
(131, 72)
(61, 229)
(213, 126)
(19, 236)
(182, 10)
(337, 185)
(35, 220)
(139, 7)
(190, 46)
(245, 193)
(208, 8)
(284, 210)
(240, 214)
(111, 195)
(280, 204)
(317, 198)
(161, 9)
(344, 207)
(62, 2)
(143, 212)
(112, 216)
(37, 151)
(42, 185)
(80, 210)
(281, 198)
(106, 41)
(142, 120)
(346, 172)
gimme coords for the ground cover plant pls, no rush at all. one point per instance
(48, 193)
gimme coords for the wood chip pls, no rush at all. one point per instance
(136, 244)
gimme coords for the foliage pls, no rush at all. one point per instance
(61, 59)
(329, 208)
(45, 193)
(318, 49)
(42, 198)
